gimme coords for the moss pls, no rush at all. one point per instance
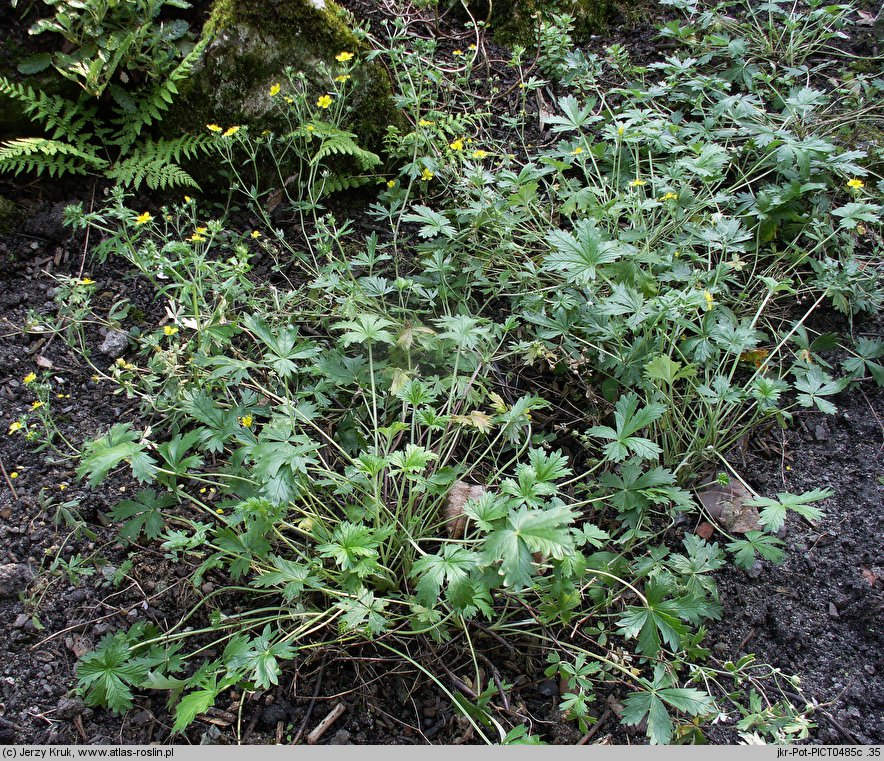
(11, 216)
(515, 21)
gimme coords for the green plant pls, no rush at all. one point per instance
(78, 141)
(369, 446)
(149, 58)
(108, 39)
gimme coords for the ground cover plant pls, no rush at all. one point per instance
(486, 418)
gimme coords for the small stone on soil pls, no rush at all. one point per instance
(115, 344)
(14, 578)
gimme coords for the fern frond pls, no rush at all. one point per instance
(335, 183)
(61, 118)
(40, 154)
(149, 108)
(338, 142)
(156, 162)
(345, 145)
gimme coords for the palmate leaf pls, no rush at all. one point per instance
(814, 385)
(432, 223)
(656, 621)
(120, 444)
(487, 511)
(366, 329)
(629, 419)
(773, 512)
(288, 574)
(631, 489)
(108, 673)
(653, 701)
(452, 565)
(142, 515)
(468, 597)
(350, 544)
(756, 542)
(364, 613)
(579, 254)
(262, 658)
(528, 531)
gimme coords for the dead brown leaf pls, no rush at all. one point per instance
(727, 506)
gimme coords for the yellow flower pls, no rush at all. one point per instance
(14, 474)
(310, 128)
(577, 151)
(13, 427)
(709, 300)
(29, 378)
(274, 89)
(230, 131)
(479, 154)
(457, 145)
(197, 238)
(621, 130)
(425, 123)
(855, 184)
(342, 77)
(343, 56)
(170, 330)
(246, 421)
(669, 197)
(457, 52)
(427, 174)
(187, 199)
(62, 486)
(324, 101)
(472, 47)
(200, 230)
(214, 128)
(36, 405)
(219, 511)
(256, 234)
(85, 281)
(637, 183)
(391, 183)
(143, 218)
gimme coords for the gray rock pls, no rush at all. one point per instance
(115, 344)
(14, 578)
(69, 708)
(755, 571)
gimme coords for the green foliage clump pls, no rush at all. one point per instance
(490, 415)
(108, 39)
(89, 135)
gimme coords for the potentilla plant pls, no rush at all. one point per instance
(370, 445)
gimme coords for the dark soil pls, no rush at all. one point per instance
(819, 614)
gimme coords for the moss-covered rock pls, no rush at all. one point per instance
(252, 42)
(516, 21)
